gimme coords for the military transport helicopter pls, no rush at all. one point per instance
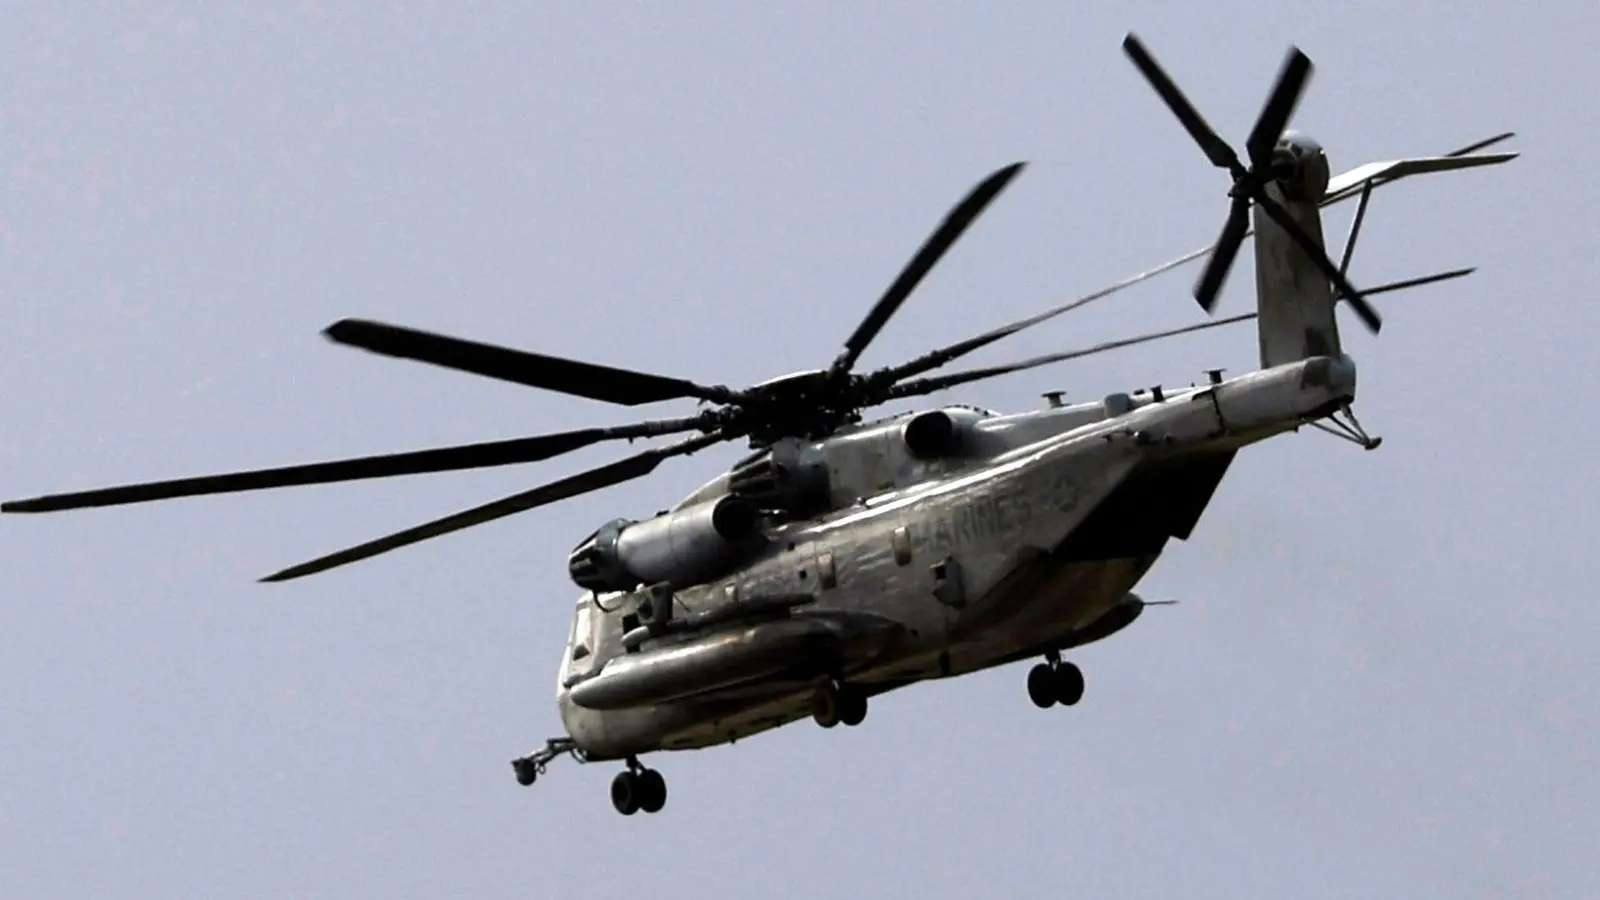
(842, 559)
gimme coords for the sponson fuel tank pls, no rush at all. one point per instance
(807, 643)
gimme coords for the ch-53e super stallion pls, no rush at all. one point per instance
(843, 559)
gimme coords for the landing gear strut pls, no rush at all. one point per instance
(638, 788)
(1054, 681)
(634, 789)
(529, 768)
(837, 703)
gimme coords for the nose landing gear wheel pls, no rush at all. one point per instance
(652, 791)
(625, 793)
(527, 773)
(639, 789)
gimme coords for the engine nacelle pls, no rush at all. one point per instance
(939, 434)
(1300, 166)
(680, 548)
(790, 477)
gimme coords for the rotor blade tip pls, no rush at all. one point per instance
(344, 327)
(1005, 174)
(30, 505)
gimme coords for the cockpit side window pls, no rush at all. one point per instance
(582, 633)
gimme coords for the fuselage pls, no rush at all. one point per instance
(1021, 540)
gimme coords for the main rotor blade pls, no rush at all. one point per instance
(1227, 247)
(1217, 150)
(1319, 256)
(940, 382)
(944, 355)
(1486, 142)
(924, 386)
(933, 249)
(1418, 282)
(597, 382)
(1277, 111)
(442, 459)
(594, 479)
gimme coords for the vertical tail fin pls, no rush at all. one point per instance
(1294, 299)
(1287, 183)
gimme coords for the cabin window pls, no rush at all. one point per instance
(580, 636)
(901, 541)
(826, 576)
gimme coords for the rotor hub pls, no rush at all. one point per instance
(1300, 166)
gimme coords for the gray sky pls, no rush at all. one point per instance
(1380, 681)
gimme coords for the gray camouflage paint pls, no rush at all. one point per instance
(1000, 515)
(936, 568)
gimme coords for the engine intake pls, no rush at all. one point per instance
(679, 548)
(942, 434)
(789, 477)
(932, 435)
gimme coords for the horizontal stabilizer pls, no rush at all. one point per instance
(1396, 169)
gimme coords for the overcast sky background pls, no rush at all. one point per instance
(1380, 681)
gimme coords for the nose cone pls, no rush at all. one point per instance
(1302, 166)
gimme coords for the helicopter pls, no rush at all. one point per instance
(841, 559)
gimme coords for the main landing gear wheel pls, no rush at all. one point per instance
(637, 788)
(839, 703)
(1055, 682)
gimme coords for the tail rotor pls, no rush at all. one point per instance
(1293, 162)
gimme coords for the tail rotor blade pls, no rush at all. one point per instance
(1216, 270)
(1278, 110)
(1319, 256)
(1216, 149)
